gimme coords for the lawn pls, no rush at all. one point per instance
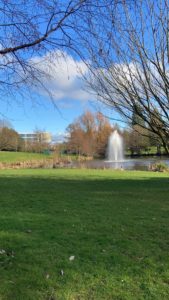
(8, 157)
(114, 224)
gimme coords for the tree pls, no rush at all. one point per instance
(76, 138)
(131, 68)
(136, 119)
(103, 132)
(89, 134)
(5, 123)
(139, 135)
(38, 141)
(9, 139)
(154, 138)
(88, 126)
(138, 140)
(34, 28)
(82, 135)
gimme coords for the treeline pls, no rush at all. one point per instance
(89, 134)
(139, 141)
(10, 140)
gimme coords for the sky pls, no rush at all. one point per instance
(64, 81)
(71, 97)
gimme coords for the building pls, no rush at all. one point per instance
(43, 137)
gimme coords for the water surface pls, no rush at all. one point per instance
(126, 164)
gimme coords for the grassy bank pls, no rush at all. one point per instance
(114, 223)
(12, 157)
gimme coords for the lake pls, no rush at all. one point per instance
(126, 164)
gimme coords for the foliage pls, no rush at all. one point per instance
(9, 139)
(88, 135)
(114, 223)
(138, 139)
(159, 167)
(34, 146)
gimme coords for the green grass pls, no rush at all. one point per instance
(8, 157)
(152, 150)
(116, 224)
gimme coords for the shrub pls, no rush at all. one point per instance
(159, 167)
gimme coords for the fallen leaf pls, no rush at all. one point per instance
(72, 257)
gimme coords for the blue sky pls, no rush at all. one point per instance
(70, 96)
(44, 115)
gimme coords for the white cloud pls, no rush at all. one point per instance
(63, 76)
(60, 137)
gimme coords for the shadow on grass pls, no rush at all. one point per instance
(116, 229)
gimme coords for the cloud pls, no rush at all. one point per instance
(62, 76)
(60, 137)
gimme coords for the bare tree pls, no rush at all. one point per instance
(33, 28)
(5, 123)
(130, 64)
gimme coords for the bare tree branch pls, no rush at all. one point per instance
(131, 68)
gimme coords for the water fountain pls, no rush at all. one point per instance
(115, 147)
(116, 159)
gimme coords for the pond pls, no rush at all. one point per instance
(126, 164)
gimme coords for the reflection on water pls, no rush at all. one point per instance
(128, 164)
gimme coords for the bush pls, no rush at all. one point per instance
(159, 167)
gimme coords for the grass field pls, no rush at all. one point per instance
(116, 224)
(8, 157)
